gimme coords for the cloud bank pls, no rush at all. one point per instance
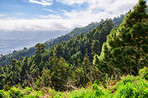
(95, 11)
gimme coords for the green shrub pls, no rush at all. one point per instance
(82, 93)
(132, 87)
(126, 79)
(52, 92)
(15, 92)
(1, 94)
(144, 73)
(95, 92)
(27, 90)
(101, 92)
(34, 94)
(58, 95)
(98, 91)
(145, 93)
(127, 91)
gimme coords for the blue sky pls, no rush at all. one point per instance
(30, 8)
(33, 8)
(50, 15)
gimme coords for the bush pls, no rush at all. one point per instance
(132, 87)
(34, 94)
(95, 92)
(82, 93)
(1, 94)
(27, 90)
(101, 92)
(128, 87)
(52, 92)
(144, 73)
(15, 92)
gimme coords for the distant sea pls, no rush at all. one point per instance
(17, 40)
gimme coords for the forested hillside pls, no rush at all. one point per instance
(81, 50)
(75, 49)
(102, 63)
(6, 59)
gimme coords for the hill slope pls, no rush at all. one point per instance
(68, 65)
(56, 64)
(90, 43)
(6, 59)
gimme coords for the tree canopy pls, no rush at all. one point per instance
(125, 50)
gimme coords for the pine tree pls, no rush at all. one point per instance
(95, 47)
(125, 50)
(24, 68)
(40, 48)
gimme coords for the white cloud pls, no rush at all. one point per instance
(50, 16)
(49, 10)
(42, 2)
(70, 2)
(96, 10)
(33, 24)
(113, 6)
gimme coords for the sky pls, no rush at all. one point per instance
(51, 15)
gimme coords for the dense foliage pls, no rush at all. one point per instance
(125, 50)
(127, 87)
(80, 63)
(55, 65)
(90, 43)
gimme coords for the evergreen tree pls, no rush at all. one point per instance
(40, 48)
(125, 50)
(25, 68)
(95, 47)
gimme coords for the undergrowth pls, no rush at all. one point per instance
(128, 87)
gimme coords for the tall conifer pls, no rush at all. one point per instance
(126, 49)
